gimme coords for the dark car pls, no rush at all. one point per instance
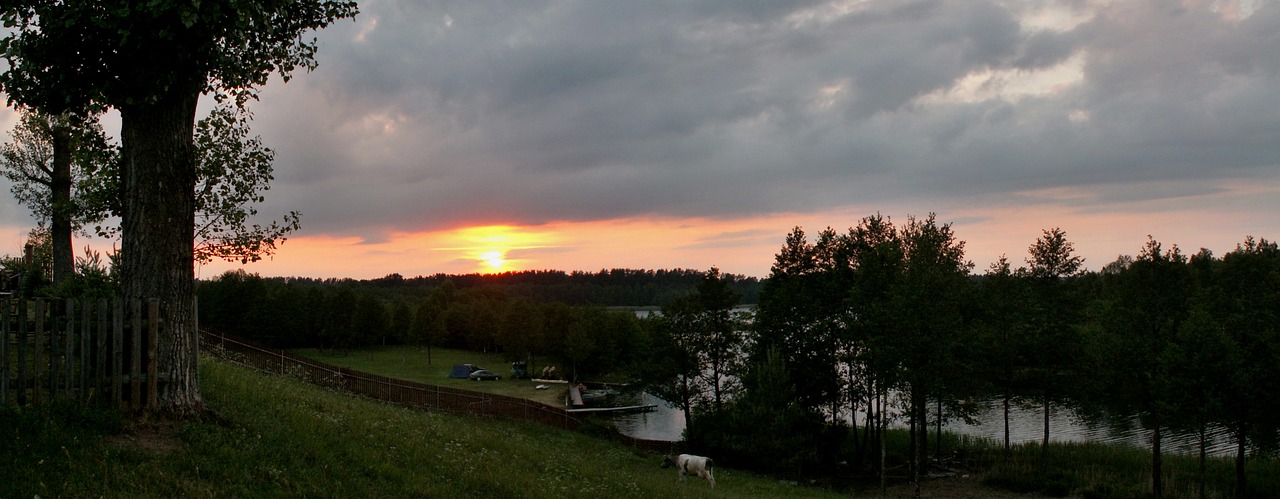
(483, 375)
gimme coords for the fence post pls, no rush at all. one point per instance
(53, 351)
(4, 350)
(117, 354)
(69, 333)
(85, 333)
(37, 348)
(100, 367)
(153, 333)
(135, 366)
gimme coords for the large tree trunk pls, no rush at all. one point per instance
(60, 190)
(157, 228)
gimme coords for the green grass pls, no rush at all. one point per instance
(410, 363)
(278, 437)
(1092, 469)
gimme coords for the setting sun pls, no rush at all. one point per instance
(494, 259)
(493, 247)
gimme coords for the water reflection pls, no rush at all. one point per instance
(662, 423)
(1025, 425)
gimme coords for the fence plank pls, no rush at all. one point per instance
(68, 340)
(36, 349)
(52, 374)
(135, 365)
(5, 318)
(85, 352)
(100, 368)
(117, 363)
(61, 355)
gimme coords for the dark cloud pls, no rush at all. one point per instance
(436, 114)
(574, 111)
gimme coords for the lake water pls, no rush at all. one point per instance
(1025, 425)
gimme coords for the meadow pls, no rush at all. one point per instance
(267, 435)
(277, 436)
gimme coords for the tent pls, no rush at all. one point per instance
(462, 371)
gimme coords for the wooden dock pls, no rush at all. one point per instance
(629, 408)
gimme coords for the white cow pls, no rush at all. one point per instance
(688, 464)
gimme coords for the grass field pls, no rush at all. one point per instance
(270, 436)
(277, 436)
(410, 363)
(1088, 469)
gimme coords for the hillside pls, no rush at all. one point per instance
(277, 436)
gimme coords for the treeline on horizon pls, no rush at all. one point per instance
(606, 287)
(581, 321)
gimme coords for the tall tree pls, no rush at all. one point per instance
(707, 341)
(152, 61)
(1051, 263)
(722, 332)
(1247, 305)
(792, 320)
(876, 252)
(1152, 299)
(1003, 332)
(930, 294)
(48, 161)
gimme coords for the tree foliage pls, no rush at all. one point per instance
(48, 162)
(233, 172)
(152, 61)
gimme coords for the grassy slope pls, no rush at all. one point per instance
(280, 437)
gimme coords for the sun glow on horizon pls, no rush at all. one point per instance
(495, 260)
(491, 246)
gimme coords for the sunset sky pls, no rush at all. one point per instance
(479, 136)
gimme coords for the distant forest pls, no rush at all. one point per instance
(606, 288)
(576, 319)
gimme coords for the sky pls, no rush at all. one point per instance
(480, 136)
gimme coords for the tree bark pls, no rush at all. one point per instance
(60, 208)
(157, 229)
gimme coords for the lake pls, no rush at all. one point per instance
(1025, 425)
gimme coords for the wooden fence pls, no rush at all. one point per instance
(94, 351)
(103, 352)
(400, 392)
